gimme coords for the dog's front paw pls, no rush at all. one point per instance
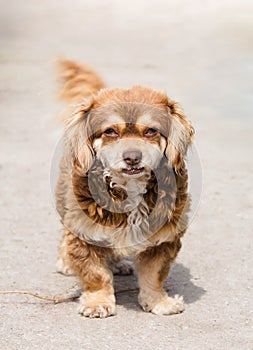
(159, 303)
(97, 305)
(97, 311)
(169, 306)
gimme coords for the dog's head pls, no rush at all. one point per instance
(129, 132)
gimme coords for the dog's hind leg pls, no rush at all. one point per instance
(62, 263)
(122, 267)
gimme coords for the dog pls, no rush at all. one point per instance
(122, 192)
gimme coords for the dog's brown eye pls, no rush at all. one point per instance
(150, 132)
(111, 132)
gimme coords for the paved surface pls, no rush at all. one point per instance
(200, 53)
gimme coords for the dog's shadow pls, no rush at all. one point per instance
(180, 281)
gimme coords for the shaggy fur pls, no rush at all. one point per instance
(122, 189)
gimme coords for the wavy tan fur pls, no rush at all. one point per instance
(92, 188)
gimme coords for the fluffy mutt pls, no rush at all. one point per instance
(122, 189)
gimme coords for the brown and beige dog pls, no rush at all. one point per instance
(122, 190)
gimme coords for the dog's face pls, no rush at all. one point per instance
(131, 139)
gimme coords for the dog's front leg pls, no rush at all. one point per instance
(152, 268)
(89, 263)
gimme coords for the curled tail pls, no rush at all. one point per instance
(78, 81)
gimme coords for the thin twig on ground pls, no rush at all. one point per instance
(73, 297)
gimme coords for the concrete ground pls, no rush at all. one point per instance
(200, 53)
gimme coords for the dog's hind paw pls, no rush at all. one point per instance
(123, 267)
(63, 268)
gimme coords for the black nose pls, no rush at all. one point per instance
(132, 157)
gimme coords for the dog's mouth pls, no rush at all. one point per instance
(133, 170)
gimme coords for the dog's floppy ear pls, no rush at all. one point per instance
(78, 136)
(180, 135)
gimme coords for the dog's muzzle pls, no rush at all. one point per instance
(132, 158)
